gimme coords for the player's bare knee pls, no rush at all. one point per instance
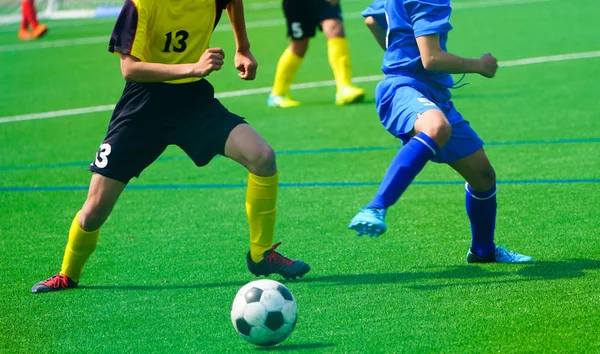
(90, 220)
(92, 215)
(263, 162)
(435, 124)
(369, 21)
(333, 28)
(488, 177)
(299, 46)
(486, 180)
(439, 130)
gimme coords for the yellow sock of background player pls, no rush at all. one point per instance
(80, 247)
(261, 209)
(287, 67)
(338, 52)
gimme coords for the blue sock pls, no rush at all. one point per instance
(481, 209)
(409, 161)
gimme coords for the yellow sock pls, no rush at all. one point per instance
(287, 67)
(261, 208)
(80, 247)
(338, 52)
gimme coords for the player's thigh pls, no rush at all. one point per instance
(134, 138)
(331, 20)
(400, 107)
(204, 130)
(302, 18)
(329, 11)
(463, 141)
(477, 170)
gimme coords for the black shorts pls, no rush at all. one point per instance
(151, 116)
(305, 16)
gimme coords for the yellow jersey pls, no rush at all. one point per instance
(166, 31)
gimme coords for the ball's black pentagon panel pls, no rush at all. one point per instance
(253, 295)
(242, 326)
(274, 321)
(285, 293)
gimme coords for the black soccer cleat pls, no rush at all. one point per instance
(276, 263)
(54, 283)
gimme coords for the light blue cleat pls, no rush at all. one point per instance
(369, 221)
(282, 101)
(501, 255)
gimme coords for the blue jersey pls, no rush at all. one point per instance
(377, 11)
(407, 20)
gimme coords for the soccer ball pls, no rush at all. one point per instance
(264, 312)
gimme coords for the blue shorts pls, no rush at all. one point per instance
(398, 106)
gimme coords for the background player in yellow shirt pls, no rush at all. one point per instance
(303, 17)
(163, 46)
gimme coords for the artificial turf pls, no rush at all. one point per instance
(171, 256)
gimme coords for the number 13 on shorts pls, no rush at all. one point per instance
(102, 156)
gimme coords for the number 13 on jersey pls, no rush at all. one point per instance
(180, 45)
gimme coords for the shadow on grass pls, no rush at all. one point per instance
(476, 274)
(283, 347)
(547, 270)
(165, 286)
(463, 272)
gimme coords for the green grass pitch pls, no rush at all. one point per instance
(171, 257)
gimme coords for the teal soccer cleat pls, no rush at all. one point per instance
(501, 255)
(282, 101)
(369, 221)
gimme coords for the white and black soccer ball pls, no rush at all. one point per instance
(264, 312)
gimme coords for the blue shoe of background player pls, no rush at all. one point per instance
(369, 221)
(500, 255)
(282, 101)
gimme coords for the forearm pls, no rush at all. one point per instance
(235, 11)
(443, 61)
(138, 71)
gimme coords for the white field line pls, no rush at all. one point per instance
(492, 3)
(250, 24)
(551, 58)
(306, 85)
(54, 114)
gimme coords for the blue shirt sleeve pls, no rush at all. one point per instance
(376, 8)
(429, 16)
(377, 11)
